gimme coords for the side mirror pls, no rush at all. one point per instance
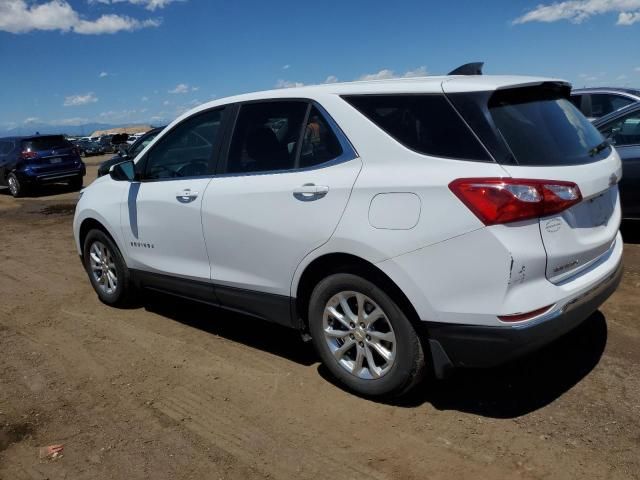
(123, 172)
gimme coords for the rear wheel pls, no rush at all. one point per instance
(15, 187)
(363, 337)
(107, 271)
(76, 183)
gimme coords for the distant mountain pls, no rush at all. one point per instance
(44, 128)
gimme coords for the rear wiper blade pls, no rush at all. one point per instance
(598, 148)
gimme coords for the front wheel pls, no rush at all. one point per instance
(107, 270)
(364, 338)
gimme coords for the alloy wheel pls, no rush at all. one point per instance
(359, 335)
(13, 186)
(103, 268)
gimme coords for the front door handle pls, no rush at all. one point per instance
(186, 196)
(310, 191)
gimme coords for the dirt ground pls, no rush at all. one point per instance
(174, 390)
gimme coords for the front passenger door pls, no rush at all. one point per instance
(161, 217)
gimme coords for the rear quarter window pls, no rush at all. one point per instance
(427, 124)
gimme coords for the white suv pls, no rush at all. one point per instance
(406, 226)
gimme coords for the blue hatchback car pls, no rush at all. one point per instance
(28, 162)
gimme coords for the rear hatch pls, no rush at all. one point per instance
(49, 153)
(535, 132)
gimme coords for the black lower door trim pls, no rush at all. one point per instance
(266, 306)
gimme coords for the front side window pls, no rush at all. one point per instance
(141, 145)
(187, 150)
(624, 130)
(427, 124)
(266, 137)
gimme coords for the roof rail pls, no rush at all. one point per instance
(474, 68)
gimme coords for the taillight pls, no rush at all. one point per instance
(504, 200)
(26, 155)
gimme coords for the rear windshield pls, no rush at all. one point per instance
(45, 143)
(541, 127)
(427, 124)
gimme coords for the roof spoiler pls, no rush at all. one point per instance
(474, 68)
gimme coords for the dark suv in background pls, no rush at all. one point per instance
(622, 129)
(28, 162)
(598, 102)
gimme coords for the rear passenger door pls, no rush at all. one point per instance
(283, 183)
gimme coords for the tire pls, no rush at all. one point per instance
(394, 374)
(99, 246)
(76, 183)
(15, 187)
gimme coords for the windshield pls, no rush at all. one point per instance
(541, 127)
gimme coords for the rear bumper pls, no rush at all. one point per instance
(51, 177)
(486, 346)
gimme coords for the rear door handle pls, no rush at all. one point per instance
(310, 191)
(186, 196)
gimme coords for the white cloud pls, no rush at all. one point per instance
(70, 122)
(77, 100)
(166, 102)
(286, 67)
(386, 74)
(103, 74)
(381, 75)
(31, 120)
(183, 88)
(113, 24)
(621, 77)
(626, 18)
(148, 4)
(637, 69)
(288, 84)
(144, 99)
(418, 72)
(331, 79)
(577, 11)
(17, 16)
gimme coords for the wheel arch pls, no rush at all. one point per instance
(331, 263)
(89, 224)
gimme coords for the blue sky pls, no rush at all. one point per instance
(126, 61)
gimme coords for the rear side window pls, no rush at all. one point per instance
(266, 137)
(427, 124)
(319, 143)
(45, 143)
(541, 127)
(604, 103)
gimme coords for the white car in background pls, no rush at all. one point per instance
(406, 225)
